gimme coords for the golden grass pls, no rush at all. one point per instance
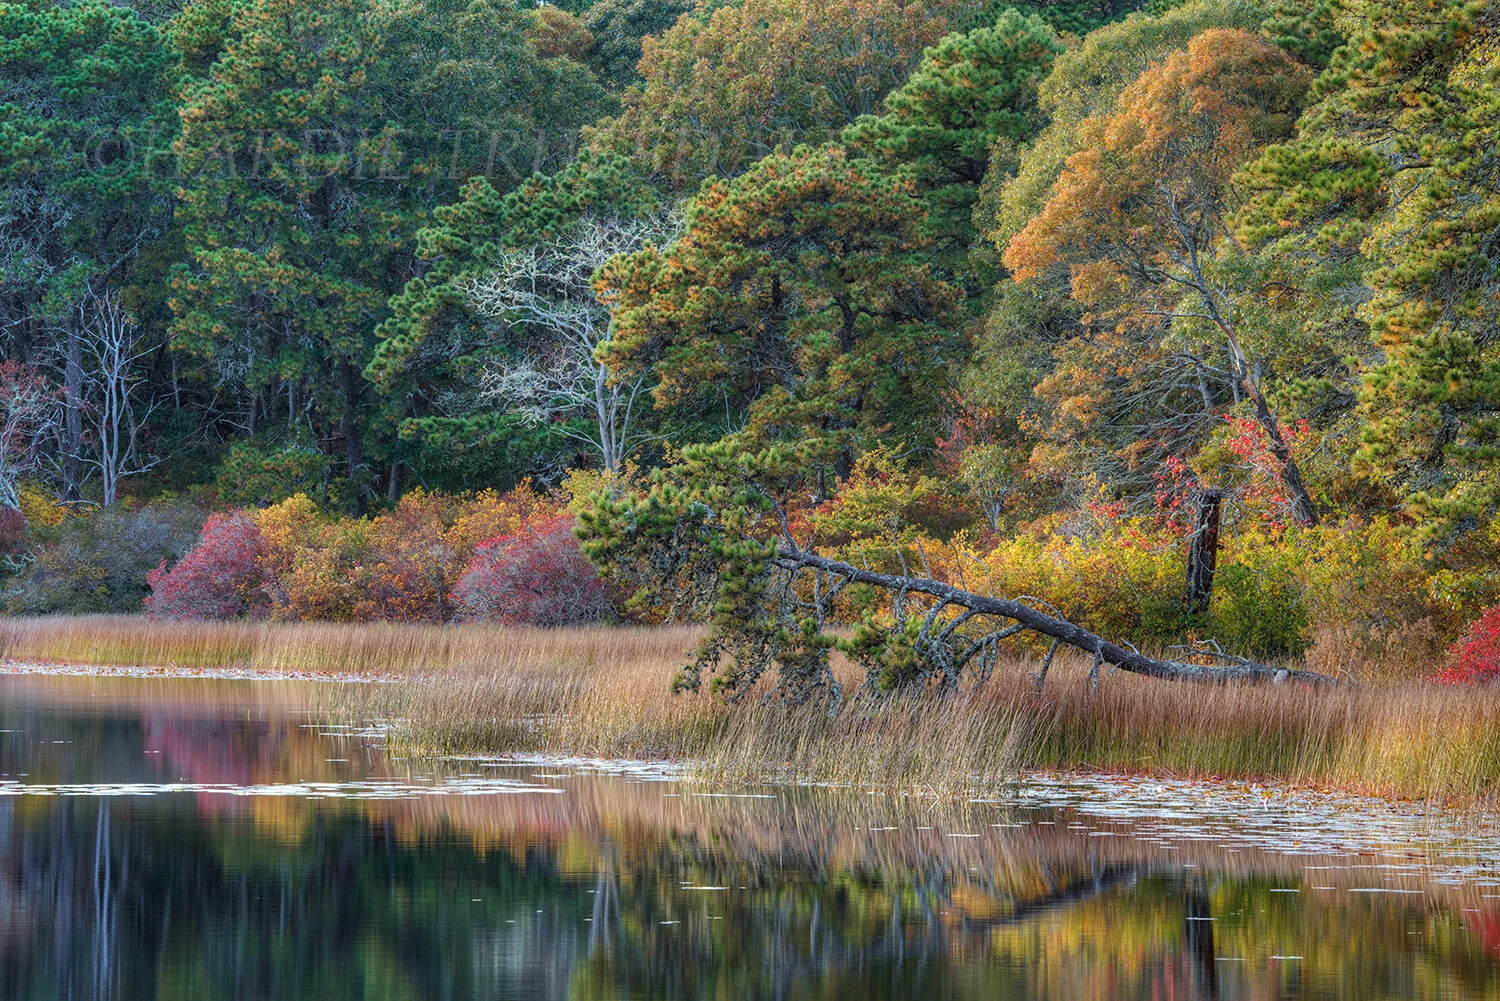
(603, 692)
(1405, 740)
(374, 650)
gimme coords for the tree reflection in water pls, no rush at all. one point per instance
(625, 887)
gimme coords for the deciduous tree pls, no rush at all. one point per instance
(30, 409)
(1139, 214)
(85, 97)
(432, 352)
(112, 353)
(545, 296)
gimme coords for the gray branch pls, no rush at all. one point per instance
(1025, 617)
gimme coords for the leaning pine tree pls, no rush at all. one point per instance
(708, 539)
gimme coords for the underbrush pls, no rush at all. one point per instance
(1362, 600)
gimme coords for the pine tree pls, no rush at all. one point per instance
(315, 141)
(1393, 169)
(432, 349)
(731, 83)
(85, 115)
(971, 92)
(798, 300)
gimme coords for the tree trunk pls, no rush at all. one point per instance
(1291, 474)
(1203, 551)
(354, 447)
(393, 485)
(1126, 658)
(72, 457)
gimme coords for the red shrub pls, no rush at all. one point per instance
(1475, 659)
(535, 576)
(217, 579)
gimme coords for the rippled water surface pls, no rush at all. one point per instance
(215, 840)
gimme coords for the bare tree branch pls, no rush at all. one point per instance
(546, 295)
(111, 349)
(30, 412)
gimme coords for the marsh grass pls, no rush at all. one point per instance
(373, 650)
(603, 692)
(1405, 740)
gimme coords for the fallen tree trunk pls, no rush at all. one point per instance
(1222, 668)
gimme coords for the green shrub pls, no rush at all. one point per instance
(1117, 584)
(1258, 609)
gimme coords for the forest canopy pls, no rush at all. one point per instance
(1007, 296)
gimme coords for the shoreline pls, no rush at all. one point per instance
(604, 692)
(60, 669)
(1270, 790)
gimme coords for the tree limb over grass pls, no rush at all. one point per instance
(709, 540)
(1222, 668)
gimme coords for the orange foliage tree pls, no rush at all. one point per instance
(1139, 214)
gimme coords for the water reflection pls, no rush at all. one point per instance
(427, 883)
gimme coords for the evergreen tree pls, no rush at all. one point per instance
(970, 93)
(1393, 170)
(315, 141)
(85, 103)
(798, 304)
(431, 351)
(619, 27)
(732, 83)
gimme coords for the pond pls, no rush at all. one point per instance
(216, 840)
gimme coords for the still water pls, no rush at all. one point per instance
(204, 841)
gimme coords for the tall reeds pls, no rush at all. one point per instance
(370, 650)
(1403, 740)
(604, 692)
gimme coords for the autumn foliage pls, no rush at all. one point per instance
(219, 579)
(1179, 133)
(988, 292)
(1476, 657)
(12, 529)
(533, 576)
(490, 556)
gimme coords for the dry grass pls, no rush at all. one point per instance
(380, 650)
(1404, 740)
(1403, 651)
(604, 692)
